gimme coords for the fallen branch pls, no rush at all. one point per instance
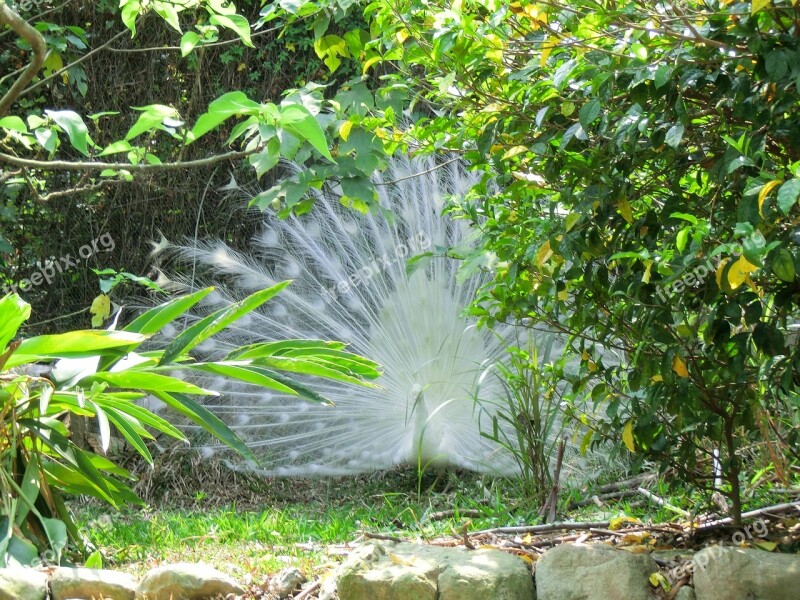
(562, 526)
(309, 590)
(661, 502)
(617, 495)
(626, 484)
(382, 536)
(446, 514)
(761, 512)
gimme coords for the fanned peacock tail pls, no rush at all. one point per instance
(351, 283)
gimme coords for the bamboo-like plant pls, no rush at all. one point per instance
(103, 375)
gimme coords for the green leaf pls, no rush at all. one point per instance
(216, 322)
(588, 113)
(148, 381)
(57, 536)
(94, 560)
(130, 10)
(674, 136)
(296, 119)
(14, 124)
(188, 41)
(156, 318)
(255, 375)
(74, 127)
(116, 147)
(14, 311)
(29, 487)
(151, 118)
(222, 109)
(266, 159)
(788, 194)
(662, 75)
(782, 265)
(74, 344)
(169, 13)
(754, 248)
(236, 23)
(207, 420)
(768, 339)
(681, 239)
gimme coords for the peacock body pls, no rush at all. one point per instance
(351, 283)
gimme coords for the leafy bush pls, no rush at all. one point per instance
(102, 375)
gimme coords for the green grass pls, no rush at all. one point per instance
(259, 540)
(252, 527)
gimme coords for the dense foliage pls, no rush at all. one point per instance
(649, 203)
(648, 179)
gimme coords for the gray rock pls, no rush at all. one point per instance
(186, 581)
(286, 581)
(18, 583)
(722, 573)
(404, 571)
(91, 584)
(593, 572)
(686, 593)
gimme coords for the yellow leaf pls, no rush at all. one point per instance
(547, 48)
(646, 275)
(657, 579)
(527, 539)
(656, 378)
(369, 62)
(563, 295)
(627, 436)
(625, 210)
(495, 54)
(528, 559)
(401, 36)
(634, 538)
(100, 309)
(617, 522)
(679, 367)
(762, 195)
(513, 151)
(545, 253)
(52, 63)
(720, 270)
(765, 545)
(758, 5)
(739, 271)
(344, 130)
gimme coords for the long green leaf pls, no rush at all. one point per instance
(130, 432)
(14, 311)
(140, 415)
(315, 368)
(74, 344)
(262, 377)
(207, 420)
(156, 318)
(217, 321)
(30, 487)
(144, 380)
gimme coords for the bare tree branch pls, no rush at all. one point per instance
(66, 165)
(35, 39)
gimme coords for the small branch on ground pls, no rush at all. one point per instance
(661, 502)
